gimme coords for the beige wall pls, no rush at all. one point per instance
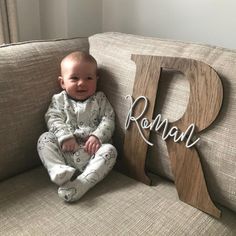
(28, 19)
(47, 19)
(84, 17)
(204, 21)
(53, 18)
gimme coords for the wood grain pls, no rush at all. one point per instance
(205, 99)
(135, 148)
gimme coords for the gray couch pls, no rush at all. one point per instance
(118, 205)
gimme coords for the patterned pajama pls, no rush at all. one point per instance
(67, 118)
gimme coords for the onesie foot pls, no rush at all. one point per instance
(61, 174)
(72, 191)
(67, 194)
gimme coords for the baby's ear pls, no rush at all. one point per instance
(61, 82)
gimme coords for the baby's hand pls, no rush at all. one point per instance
(70, 145)
(92, 145)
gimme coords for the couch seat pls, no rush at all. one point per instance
(119, 205)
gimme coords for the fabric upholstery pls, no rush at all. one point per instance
(117, 206)
(217, 147)
(28, 78)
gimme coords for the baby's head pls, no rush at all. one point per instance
(79, 75)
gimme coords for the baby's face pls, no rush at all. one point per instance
(79, 79)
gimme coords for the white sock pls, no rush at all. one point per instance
(61, 174)
(73, 190)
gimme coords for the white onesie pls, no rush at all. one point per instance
(67, 118)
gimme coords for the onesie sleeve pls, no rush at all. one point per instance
(56, 120)
(106, 127)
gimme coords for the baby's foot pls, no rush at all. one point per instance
(67, 194)
(61, 174)
(72, 190)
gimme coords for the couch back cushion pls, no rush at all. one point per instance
(28, 78)
(217, 147)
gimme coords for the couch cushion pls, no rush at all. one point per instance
(118, 205)
(217, 147)
(28, 78)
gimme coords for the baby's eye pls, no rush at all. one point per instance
(89, 78)
(74, 78)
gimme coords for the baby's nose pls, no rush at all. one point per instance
(80, 82)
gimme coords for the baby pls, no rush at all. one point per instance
(76, 150)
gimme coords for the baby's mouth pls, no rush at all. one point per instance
(81, 91)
